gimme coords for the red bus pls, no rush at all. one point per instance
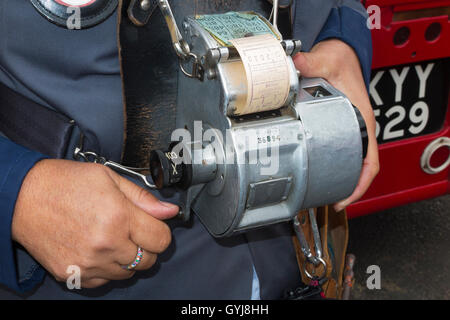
(410, 94)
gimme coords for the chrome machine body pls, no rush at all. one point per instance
(317, 137)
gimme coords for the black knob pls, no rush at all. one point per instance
(363, 129)
(164, 169)
(168, 170)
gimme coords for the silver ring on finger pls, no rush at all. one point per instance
(136, 260)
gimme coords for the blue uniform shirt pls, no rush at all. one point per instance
(88, 74)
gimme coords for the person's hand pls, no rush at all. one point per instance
(337, 63)
(70, 213)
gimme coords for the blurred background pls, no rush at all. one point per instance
(408, 233)
(410, 244)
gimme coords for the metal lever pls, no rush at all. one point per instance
(316, 234)
(128, 172)
(303, 243)
(274, 15)
(90, 156)
(181, 47)
(314, 260)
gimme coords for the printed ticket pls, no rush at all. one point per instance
(267, 72)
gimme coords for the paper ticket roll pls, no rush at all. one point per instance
(267, 73)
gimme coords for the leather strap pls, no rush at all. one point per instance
(140, 11)
(34, 126)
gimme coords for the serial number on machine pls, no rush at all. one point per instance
(239, 310)
(268, 136)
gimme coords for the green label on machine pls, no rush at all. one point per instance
(233, 25)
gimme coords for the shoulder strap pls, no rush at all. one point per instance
(33, 126)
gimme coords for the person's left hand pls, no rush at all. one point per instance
(336, 62)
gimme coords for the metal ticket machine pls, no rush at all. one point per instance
(255, 142)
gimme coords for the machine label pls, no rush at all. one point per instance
(266, 136)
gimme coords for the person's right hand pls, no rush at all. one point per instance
(70, 213)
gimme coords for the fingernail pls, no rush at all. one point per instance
(168, 205)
